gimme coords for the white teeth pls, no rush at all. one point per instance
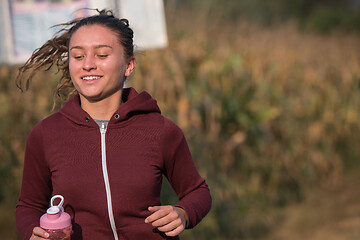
(90, 78)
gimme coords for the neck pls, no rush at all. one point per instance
(103, 109)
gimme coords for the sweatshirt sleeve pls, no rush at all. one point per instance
(36, 185)
(190, 187)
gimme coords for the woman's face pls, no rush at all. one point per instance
(97, 64)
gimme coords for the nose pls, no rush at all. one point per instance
(89, 63)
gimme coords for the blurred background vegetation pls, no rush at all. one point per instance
(266, 92)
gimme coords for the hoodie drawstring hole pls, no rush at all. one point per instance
(116, 116)
(87, 119)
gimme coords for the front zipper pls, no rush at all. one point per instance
(106, 180)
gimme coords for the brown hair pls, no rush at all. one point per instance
(55, 51)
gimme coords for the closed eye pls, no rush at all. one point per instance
(102, 55)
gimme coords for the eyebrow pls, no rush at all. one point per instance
(98, 46)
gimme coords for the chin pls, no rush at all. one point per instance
(92, 97)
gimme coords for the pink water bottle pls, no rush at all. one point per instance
(56, 221)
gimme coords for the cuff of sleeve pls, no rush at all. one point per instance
(189, 223)
(186, 215)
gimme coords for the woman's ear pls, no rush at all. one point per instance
(130, 67)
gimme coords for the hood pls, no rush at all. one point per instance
(134, 103)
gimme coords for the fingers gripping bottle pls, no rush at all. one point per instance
(56, 221)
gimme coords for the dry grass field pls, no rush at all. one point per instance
(332, 213)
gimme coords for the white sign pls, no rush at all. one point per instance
(27, 24)
(147, 19)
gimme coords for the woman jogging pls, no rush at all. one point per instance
(108, 147)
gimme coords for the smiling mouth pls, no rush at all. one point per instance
(90, 78)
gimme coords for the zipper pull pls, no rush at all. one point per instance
(103, 128)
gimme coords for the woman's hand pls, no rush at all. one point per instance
(39, 233)
(168, 219)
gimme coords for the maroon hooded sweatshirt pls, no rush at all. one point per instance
(109, 176)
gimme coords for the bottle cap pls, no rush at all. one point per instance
(55, 217)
